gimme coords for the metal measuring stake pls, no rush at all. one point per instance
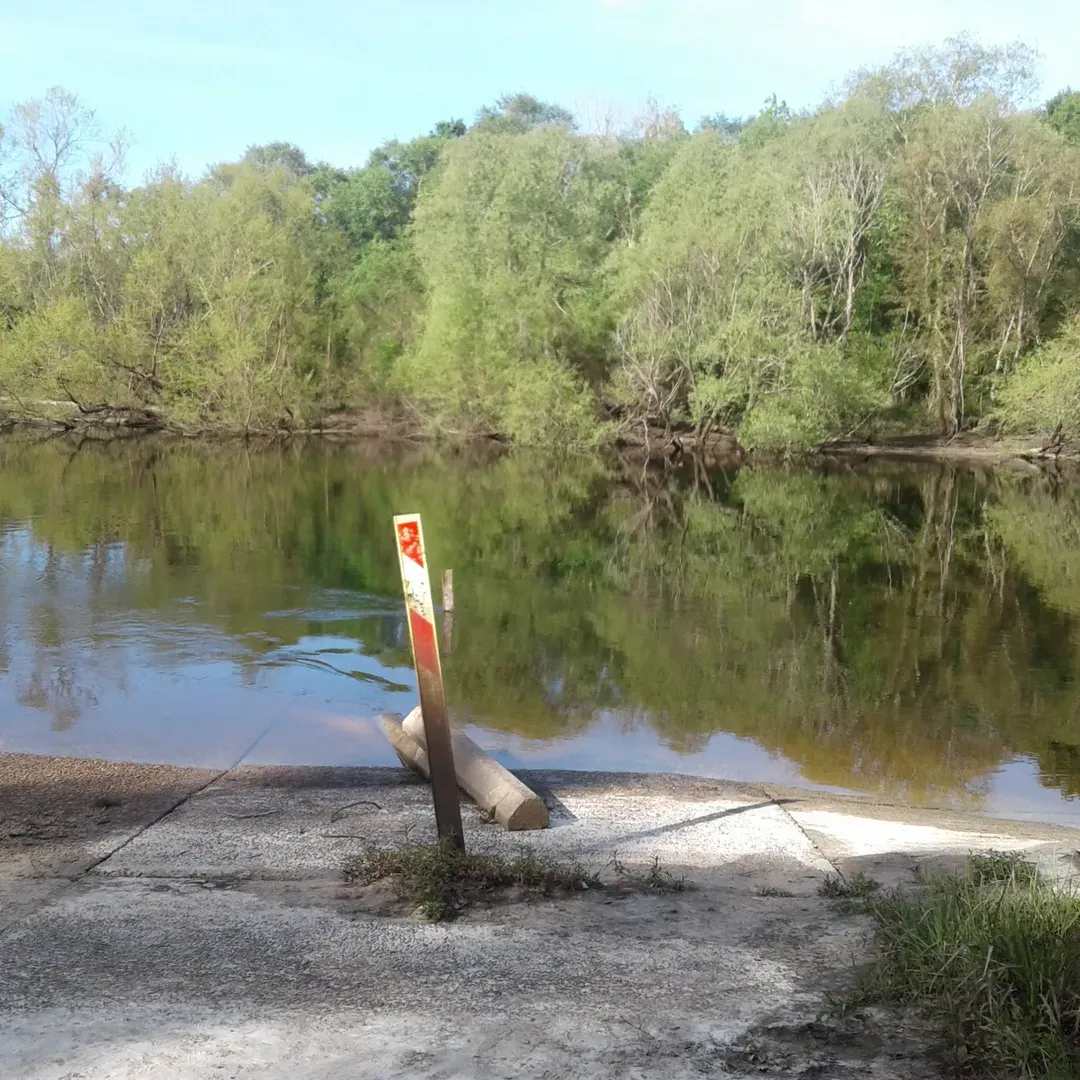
(425, 646)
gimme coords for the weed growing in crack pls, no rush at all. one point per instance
(655, 878)
(851, 895)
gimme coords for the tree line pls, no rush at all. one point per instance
(904, 257)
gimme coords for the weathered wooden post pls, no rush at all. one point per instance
(448, 610)
(425, 646)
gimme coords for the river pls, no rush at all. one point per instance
(908, 632)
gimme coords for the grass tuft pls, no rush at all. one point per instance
(1000, 867)
(995, 953)
(859, 887)
(851, 895)
(440, 881)
(656, 877)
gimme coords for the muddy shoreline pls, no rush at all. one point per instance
(720, 449)
(1036, 450)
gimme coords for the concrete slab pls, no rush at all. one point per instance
(895, 852)
(217, 937)
(233, 827)
(59, 814)
(120, 975)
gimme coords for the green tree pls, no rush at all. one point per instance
(278, 155)
(908, 253)
(743, 288)
(381, 294)
(1063, 115)
(377, 201)
(720, 122)
(511, 241)
(515, 114)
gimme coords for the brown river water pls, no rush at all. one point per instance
(900, 631)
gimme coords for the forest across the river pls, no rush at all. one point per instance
(903, 258)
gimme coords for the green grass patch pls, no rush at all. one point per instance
(1001, 867)
(857, 887)
(995, 953)
(440, 881)
(851, 895)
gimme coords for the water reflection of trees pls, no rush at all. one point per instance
(899, 630)
(876, 628)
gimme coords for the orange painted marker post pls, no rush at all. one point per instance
(425, 646)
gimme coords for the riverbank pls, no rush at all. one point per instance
(717, 449)
(114, 422)
(967, 448)
(189, 923)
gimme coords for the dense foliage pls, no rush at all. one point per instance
(905, 255)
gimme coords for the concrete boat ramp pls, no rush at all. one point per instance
(178, 923)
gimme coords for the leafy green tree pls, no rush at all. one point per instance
(381, 293)
(908, 253)
(987, 203)
(377, 201)
(959, 73)
(1063, 115)
(449, 129)
(189, 299)
(720, 122)
(634, 162)
(278, 155)
(45, 146)
(1044, 392)
(511, 241)
(976, 208)
(746, 278)
(515, 114)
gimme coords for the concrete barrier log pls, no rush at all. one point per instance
(410, 753)
(493, 787)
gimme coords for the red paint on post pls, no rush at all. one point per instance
(409, 542)
(418, 603)
(425, 648)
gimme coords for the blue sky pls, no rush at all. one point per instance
(199, 81)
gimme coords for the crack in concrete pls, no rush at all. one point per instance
(780, 802)
(93, 865)
(64, 878)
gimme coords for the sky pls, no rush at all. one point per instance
(199, 81)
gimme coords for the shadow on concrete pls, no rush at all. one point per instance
(560, 814)
(686, 823)
(56, 812)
